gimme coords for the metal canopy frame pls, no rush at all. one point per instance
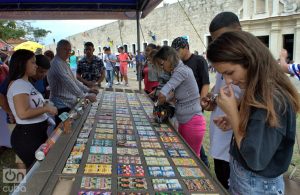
(79, 10)
(75, 9)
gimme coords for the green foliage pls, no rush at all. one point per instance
(21, 29)
(39, 33)
(10, 29)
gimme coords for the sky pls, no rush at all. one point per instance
(63, 28)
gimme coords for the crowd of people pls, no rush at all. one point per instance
(253, 103)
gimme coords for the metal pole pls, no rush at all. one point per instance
(120, 33)
(139, 65)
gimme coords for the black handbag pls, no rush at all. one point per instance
(163, 112)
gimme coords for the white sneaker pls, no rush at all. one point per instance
(126, 85)
(121, 83)
(107, 84)
(117, 83)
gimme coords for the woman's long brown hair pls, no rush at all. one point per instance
(267, 85)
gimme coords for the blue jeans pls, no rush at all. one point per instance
(110, 77)
(247, 182)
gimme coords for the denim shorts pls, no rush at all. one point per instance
(245, 182)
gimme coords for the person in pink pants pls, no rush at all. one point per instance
(182, 88)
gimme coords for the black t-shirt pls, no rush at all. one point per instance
(200, 69)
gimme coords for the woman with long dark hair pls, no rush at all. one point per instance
(263, 120)
(28, 107)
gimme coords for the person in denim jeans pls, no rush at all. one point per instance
(110, 63)
(220, 140)
(263, 119)
(243, 181)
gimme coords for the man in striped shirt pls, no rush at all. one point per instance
(293, 69)
(64, 87)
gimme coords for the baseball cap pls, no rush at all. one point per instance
(179, 42)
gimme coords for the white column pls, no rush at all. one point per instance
(246, 9)
(267, 9)
(254, 7)
(275, 40)
(297, 42)
(275, 8)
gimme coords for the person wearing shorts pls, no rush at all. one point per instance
(123, 59)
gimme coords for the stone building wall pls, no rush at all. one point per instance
(272, 19)
(166, 23)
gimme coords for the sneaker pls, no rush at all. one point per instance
(126, 85)
(121, 83)
(117, 83)
(107, 84)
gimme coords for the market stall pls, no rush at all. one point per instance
(119, 149)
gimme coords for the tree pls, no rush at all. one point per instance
(20, 29)
(10, 29)
(39, 33)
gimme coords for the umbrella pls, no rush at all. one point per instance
(29, 45)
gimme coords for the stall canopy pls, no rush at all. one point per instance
(75, 9)
(79, 9)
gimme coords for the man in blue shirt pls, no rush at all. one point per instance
(110, 63)
(39, 81)
(140, 59)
